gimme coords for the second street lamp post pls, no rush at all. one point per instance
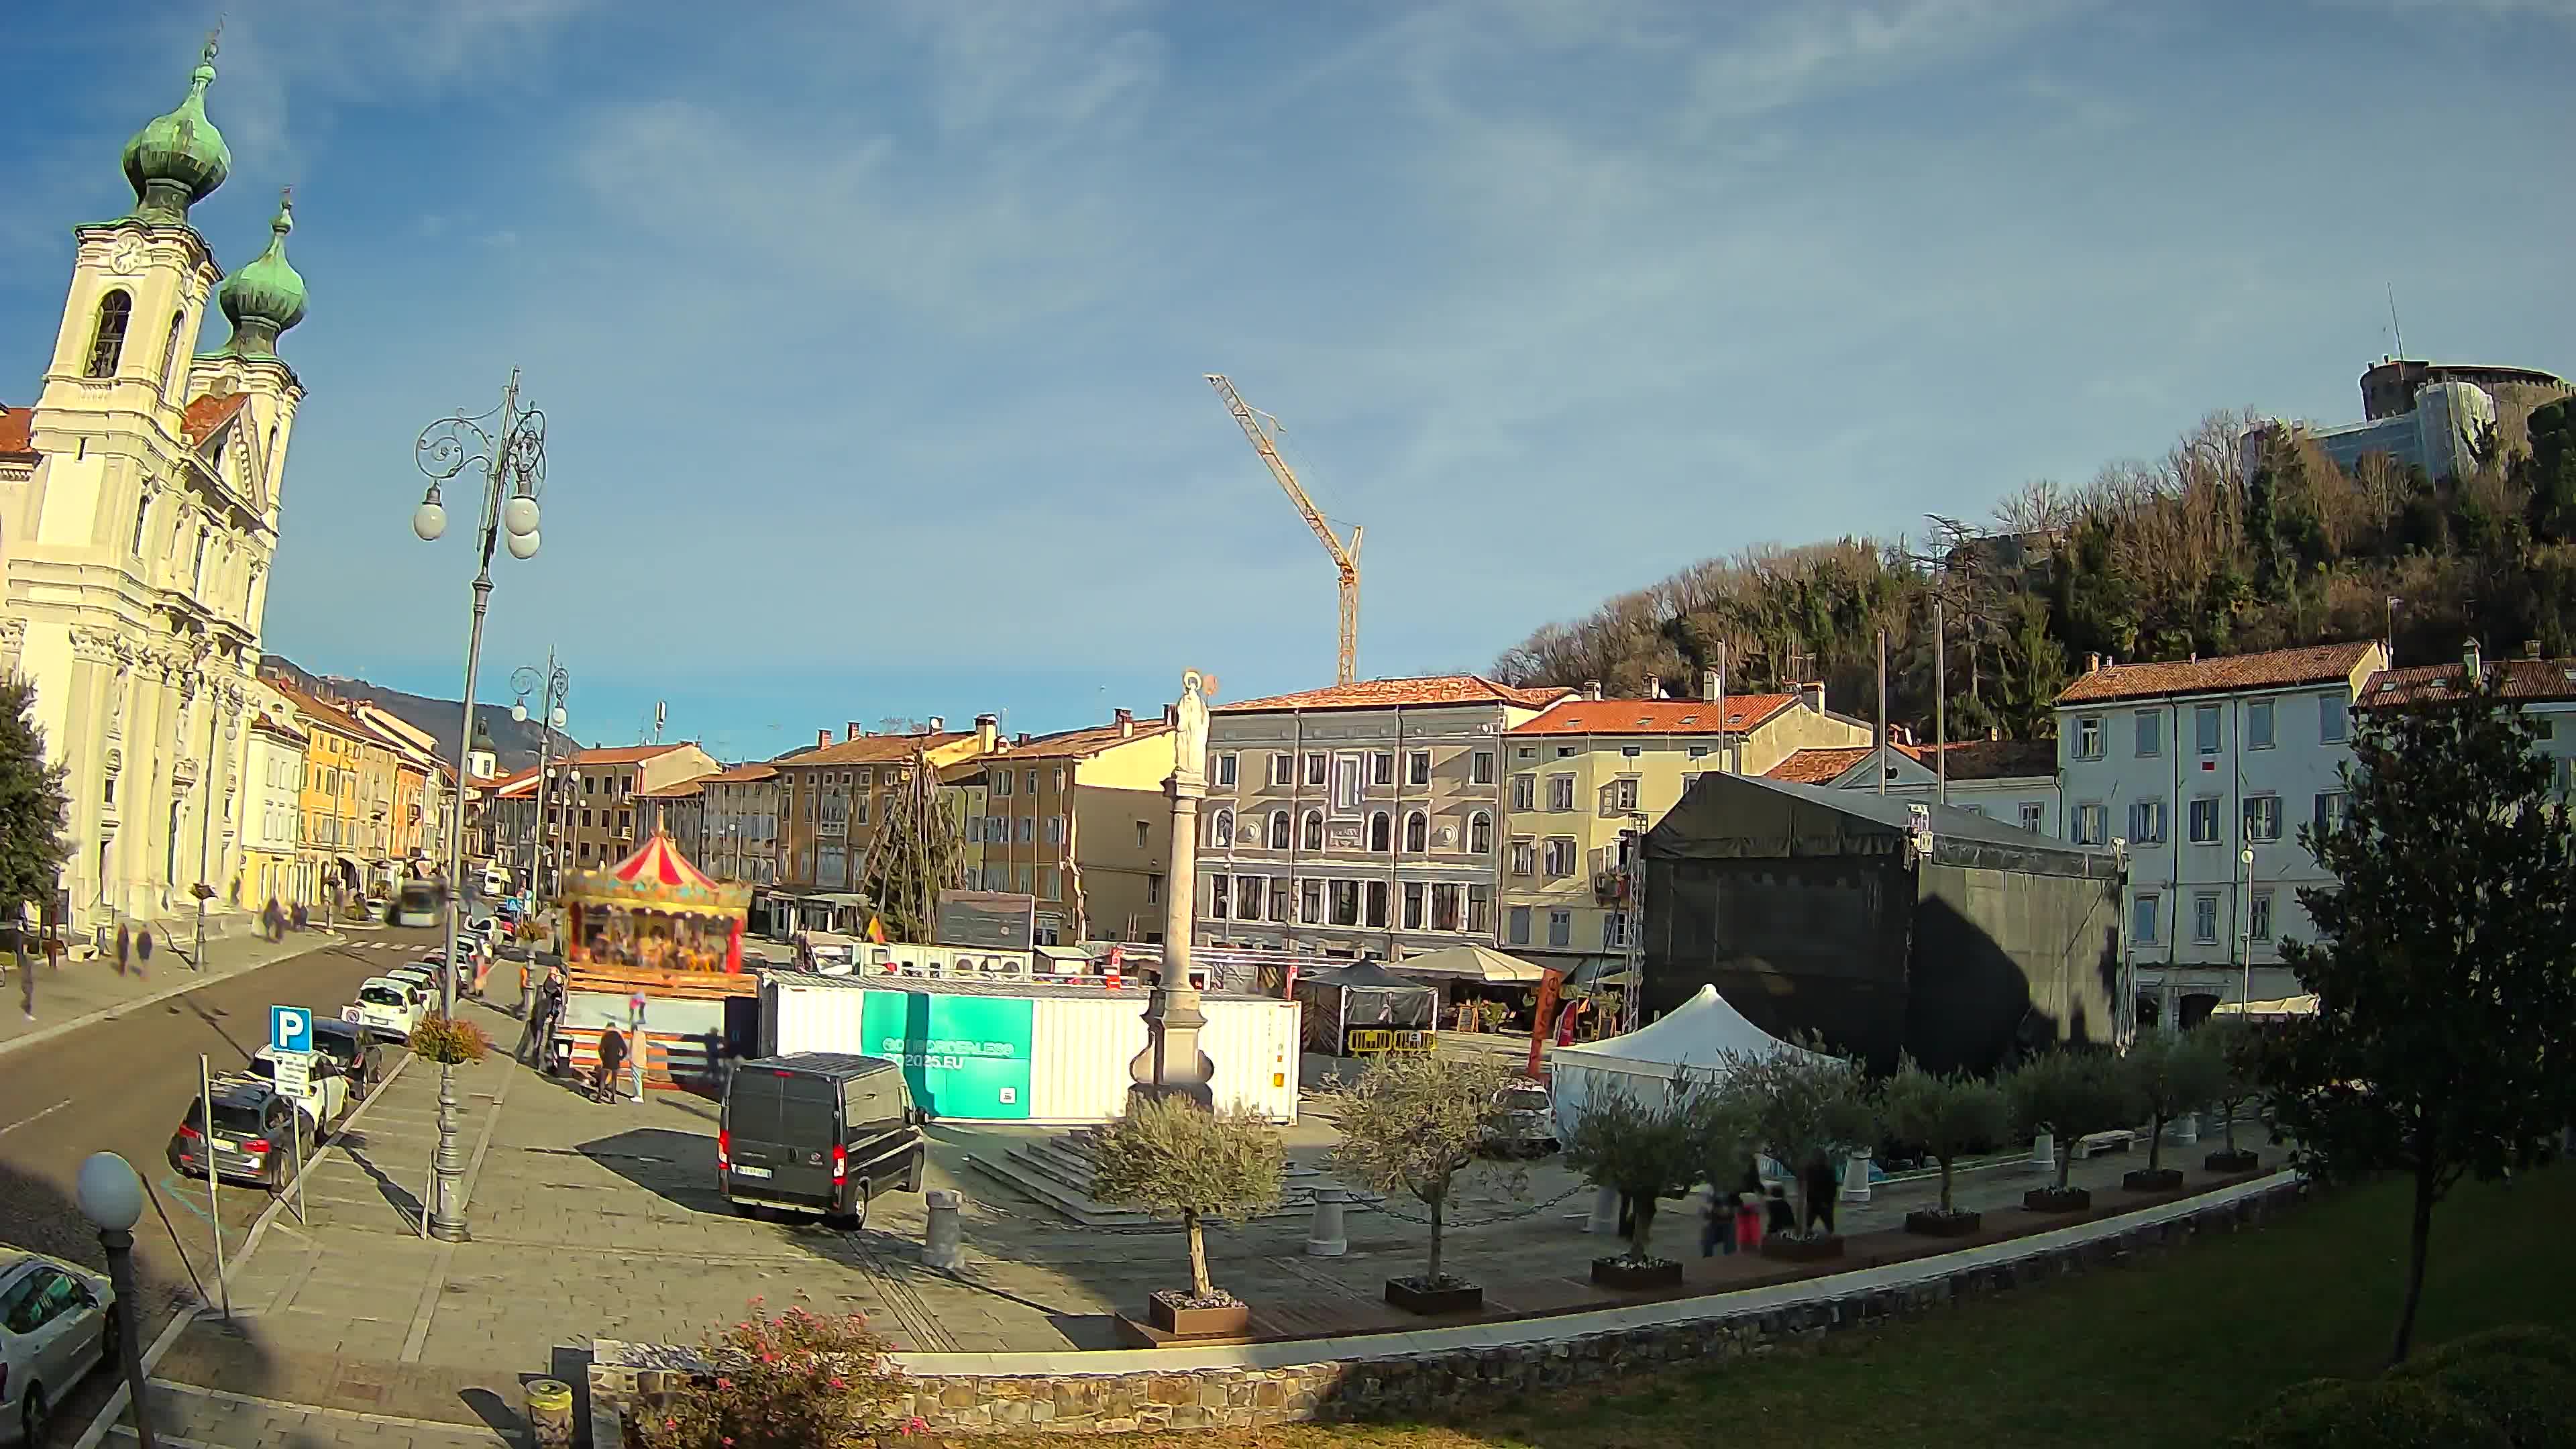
(508, 448)
(553, 685)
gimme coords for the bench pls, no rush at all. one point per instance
(2118, 1139)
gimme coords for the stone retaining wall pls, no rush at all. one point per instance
(1413, 1383)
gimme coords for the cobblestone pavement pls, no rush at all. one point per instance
(595, 1219)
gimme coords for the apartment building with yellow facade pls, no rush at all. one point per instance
(599, 826)
(1079, 821)
(1581, 774)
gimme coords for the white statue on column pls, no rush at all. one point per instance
(1171, 1065)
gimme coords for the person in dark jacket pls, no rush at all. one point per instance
(1822, 1188)
(1783, 1213)
(612, 1060)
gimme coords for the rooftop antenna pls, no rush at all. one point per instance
(2394, 330)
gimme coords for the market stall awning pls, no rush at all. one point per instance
(1471, 963)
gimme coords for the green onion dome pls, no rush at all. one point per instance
(178, 159)
(266, 296)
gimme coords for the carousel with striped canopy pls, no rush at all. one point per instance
(653, 911)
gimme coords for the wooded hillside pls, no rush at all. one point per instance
(2239, 539)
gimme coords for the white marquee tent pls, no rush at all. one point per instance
(1694, 1038)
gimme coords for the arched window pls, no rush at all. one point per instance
(142, 522)
(1417, 832)
(1280, 838)
(107, 344)
(1314, 831)
(170, 354)
(1381, 832)
(1480, 833)
(1221, 829)
(197, 567)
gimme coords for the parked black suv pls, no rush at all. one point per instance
(254, 1139)
(359, 1050)
(817, 1133)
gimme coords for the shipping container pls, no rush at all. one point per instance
(1044, 1055)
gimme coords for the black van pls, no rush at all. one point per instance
(817, 1132)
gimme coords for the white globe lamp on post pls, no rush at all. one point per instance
(111, 1197)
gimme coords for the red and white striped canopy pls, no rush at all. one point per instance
(658, 864)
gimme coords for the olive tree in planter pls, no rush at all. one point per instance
(1800, 1106)
(1173, 1158)
(2073, 1094)
(2170, 1073)
(1647, 1152)
(1412, 1123)
(2237, 1050)
(1946, 1117)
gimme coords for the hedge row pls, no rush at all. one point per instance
(2507, 1388)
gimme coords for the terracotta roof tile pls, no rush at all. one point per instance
(624, 754)
(324, 713)
(16, 437)
(2318, 664)
(1993, 759)
(684, 790)
(2535, 680)
(1433, 689)
(872, 750)
(1654, 716)
(743, 775)
(1817, 767)
(205, 414)
(1082, 744)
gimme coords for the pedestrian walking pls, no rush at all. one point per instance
(1716, 1222)
(1822, 1188)
(1784, 1213)
(527, 998)
(142, 950)
(124, 947)
(612, 1059)
(1748, 1223)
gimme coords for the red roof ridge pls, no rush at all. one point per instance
(1402, 692)
(1653, 716)
(2308, 664)
(206, 412)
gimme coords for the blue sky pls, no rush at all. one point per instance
(871, 334)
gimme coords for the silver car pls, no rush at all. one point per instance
(57, 1319)
(1526, 1126)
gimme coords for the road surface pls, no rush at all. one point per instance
(123, 1085)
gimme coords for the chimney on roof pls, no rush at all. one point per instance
(1712, 685)
(1024, 737)
(1814, 695)
(1655, 687)
(822, 738)
(1126, 723)
(2530, 648)
(937, 724)
(1171, 716)
(1592, 689)
(2093, 663)
(988, 733)
(2470, 661)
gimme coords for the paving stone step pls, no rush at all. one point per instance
(1056, 1171)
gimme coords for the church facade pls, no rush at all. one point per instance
(139, 510)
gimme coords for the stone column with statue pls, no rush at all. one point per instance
(1172, 1064)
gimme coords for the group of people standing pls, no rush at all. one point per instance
(1737, 1221)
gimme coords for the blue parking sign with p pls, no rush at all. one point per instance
(290, 1028)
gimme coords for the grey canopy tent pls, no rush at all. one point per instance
(1362, 997)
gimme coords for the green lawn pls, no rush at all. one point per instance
(2173, 1349)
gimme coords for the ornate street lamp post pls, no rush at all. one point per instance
(508, 448)
(553, 685)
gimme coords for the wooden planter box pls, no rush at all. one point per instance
(1615, 1273)
(2152, 1179)
(1802, 1250)
(1934, 1223)
(1179, 1322)
(2056, 1200)
(2240, 1160)
(1450, 1297)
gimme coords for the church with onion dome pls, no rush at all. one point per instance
(141, 494)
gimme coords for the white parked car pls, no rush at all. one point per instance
(424, 983)
(327, 1099)
(387, 1005)
(57, 1319)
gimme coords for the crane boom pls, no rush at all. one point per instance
(1346, 556)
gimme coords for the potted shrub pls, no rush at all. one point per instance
(1800, 1106)
(448, 1041)
(1945, 1116)
(1411, 1125)
(2170, 1073)
(2074, 1095)
(799, 1380)
(2232, 1041)
(1174, 1158)
(1646, 1152)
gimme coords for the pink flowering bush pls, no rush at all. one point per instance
(798, 1380)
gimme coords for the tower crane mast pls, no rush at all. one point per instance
(1346, 556)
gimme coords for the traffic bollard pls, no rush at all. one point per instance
(1325, 1236)
(943, 1241)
